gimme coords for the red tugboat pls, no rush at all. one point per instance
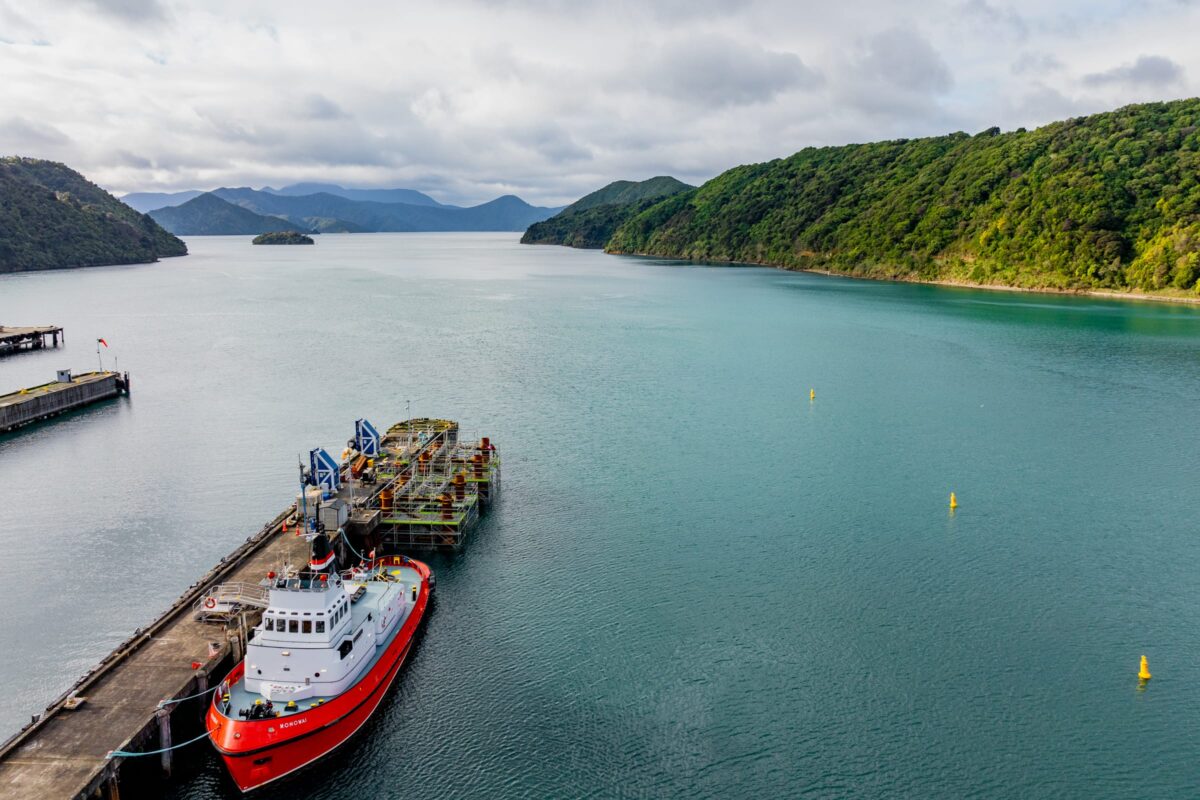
(327, 650)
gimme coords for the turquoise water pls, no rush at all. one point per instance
(698, 583)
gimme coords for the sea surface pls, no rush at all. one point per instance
(698, 583)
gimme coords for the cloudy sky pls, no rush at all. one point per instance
(548, 99)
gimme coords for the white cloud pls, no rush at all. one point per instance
(547, 98)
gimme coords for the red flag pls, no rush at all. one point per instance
(101, 341)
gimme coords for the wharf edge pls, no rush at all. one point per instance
(67, 393)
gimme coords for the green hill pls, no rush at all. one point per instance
(1110, 201)
(626, 192)
(282, 237)
(591, 220)
(209, 215)
(51, 217)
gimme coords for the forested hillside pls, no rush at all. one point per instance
(1108, 201)
(591, 220)
(51, 217)
(208, 214)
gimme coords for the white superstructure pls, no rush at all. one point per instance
(320, 632)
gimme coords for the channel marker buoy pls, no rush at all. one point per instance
(953, 501)
(812, 394)
(1144, 672)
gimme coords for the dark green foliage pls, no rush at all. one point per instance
(591, 220)
(51, 217)
(625, 192)
(208, 215)
(1108, 201)
(282, 237)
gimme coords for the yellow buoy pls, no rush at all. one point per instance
(812, 394)
(953, 501)
(1144, 672)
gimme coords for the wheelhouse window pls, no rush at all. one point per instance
(293, 626)
(320, 626)
(307, 627)
(268, 623)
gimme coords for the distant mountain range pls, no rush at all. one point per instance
(152, 201)
(410, 196)
(590, 221)
(209, 214)
(328, 208)
(51, 217)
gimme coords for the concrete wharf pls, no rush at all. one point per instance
(14, 340)
(64, 752)
(66, 393)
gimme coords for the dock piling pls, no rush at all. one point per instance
(164, 738)
(15, 340)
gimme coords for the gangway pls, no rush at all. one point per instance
(225, 601)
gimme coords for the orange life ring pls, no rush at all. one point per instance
(210, 603)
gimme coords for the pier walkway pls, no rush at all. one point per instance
(13, 339)
(63, 754)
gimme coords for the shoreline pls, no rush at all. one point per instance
(1110, 294)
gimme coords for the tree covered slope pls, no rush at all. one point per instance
(51, 217)
(1107, 201)
(592, 219)
(208, 215)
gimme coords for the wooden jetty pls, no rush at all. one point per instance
(66, 393)
(149, 694)
(14, 340)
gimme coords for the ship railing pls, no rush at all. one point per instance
(226, 600)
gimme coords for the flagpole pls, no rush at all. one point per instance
(98, 358)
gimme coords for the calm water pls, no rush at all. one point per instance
(698, 583)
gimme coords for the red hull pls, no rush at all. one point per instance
(257, 752)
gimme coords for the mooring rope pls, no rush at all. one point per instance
(346, 539)
(165, 703)
(128, 753)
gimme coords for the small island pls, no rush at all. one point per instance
(282, 237)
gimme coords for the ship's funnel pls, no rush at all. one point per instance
(322, 558)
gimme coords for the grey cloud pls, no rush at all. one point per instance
(994, 18)
(719, 71)
(1042, 103)
(902, 58)
(895, 78)
(1153, 71)
(129, 10)
(318, 106)
(556, 144)
(128, 159)
(22, 136)
(1035, 64)
(670, 10)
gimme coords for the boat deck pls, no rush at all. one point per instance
(407, 577)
